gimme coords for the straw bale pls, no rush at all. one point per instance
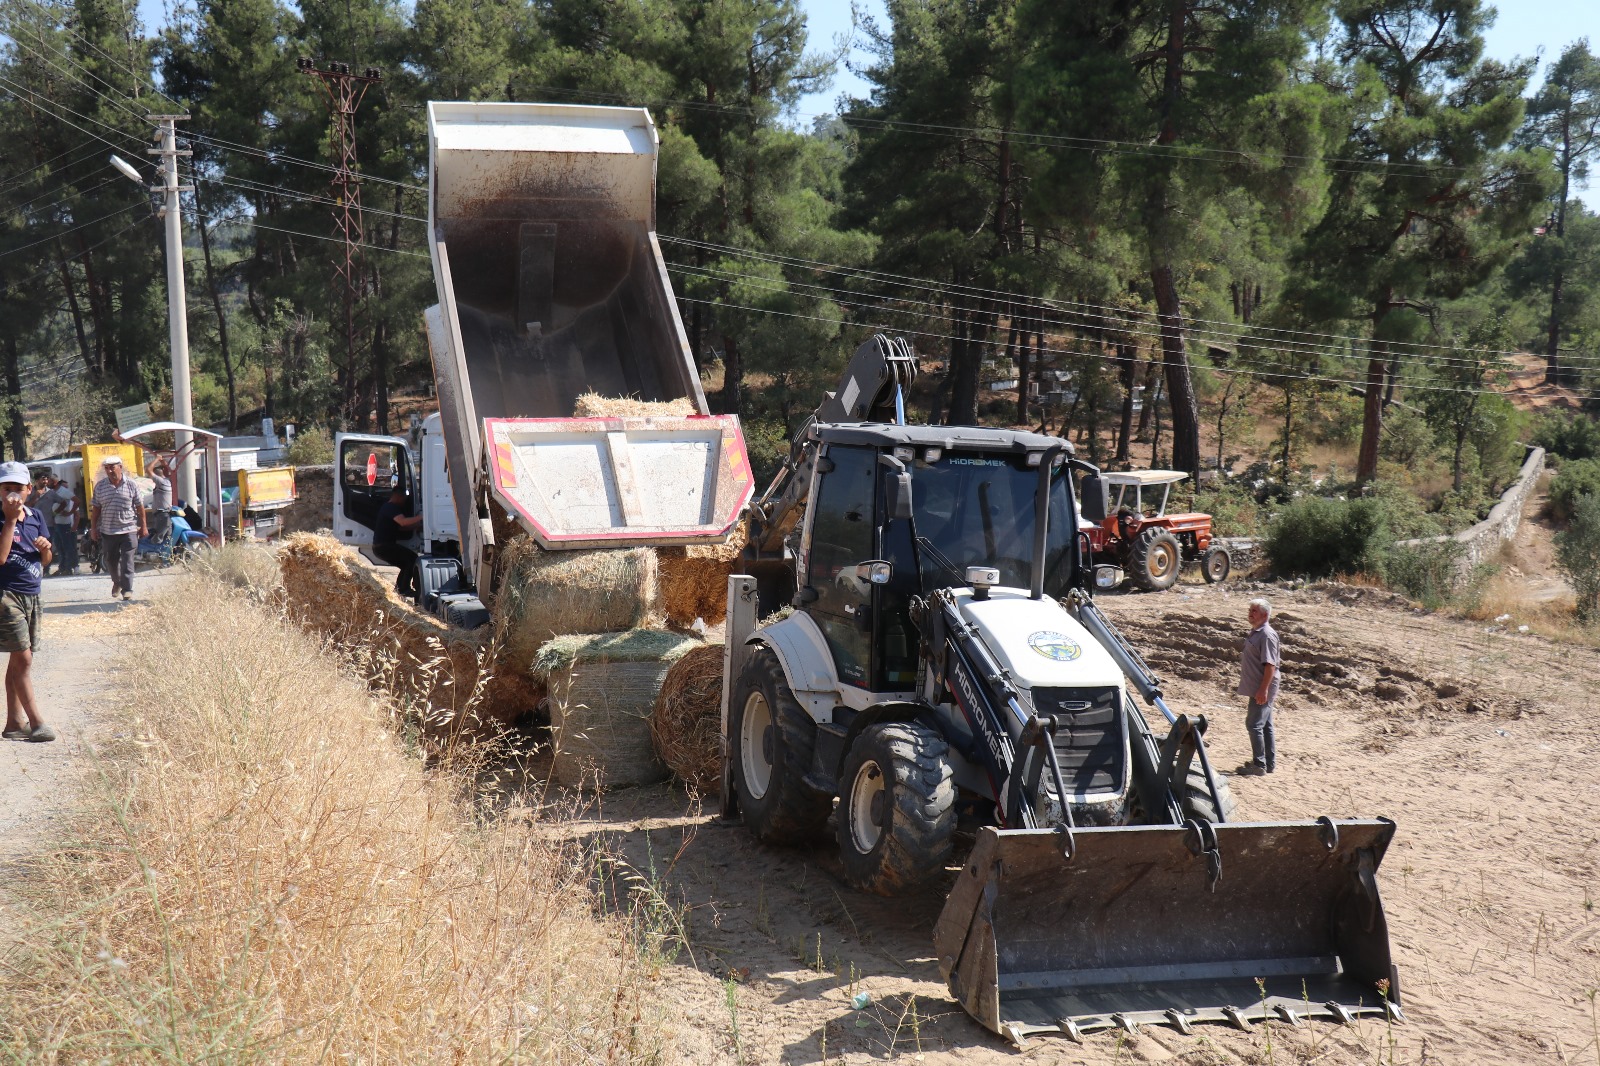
(687, 722)
(694, 579)
(330, 590)
(603, 689)
(546, 593)
(593, 405)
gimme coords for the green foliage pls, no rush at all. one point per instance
(1569, 435)
(313, 446)
(1315, 536)
(767, 441)
(1578, 556)
(1407, 438)
(1574, 481)
(1429, 572)
(1232, 507)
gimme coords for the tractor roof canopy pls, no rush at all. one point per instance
(1143, 477)
(950, 438)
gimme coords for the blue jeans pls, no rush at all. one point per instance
(1263, 739)
(65, 541)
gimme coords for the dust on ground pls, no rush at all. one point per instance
(1481, 744)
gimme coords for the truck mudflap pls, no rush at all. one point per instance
(1054, 932)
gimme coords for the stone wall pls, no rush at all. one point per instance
(1482, 542)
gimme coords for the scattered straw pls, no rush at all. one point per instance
(593, 405)
(694, 579)
(686, 724)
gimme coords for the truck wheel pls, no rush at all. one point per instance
(1156, 559)
(771, 743)
(1215, 565)
(896, 808)
(1197, 801)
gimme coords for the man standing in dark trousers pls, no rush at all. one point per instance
(61, 506)
(395, 525)
(116, 523)
(1258, 680)
(24, 553)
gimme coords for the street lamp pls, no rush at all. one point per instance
(177, 305)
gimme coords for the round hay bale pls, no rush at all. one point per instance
(546, 593)
(687, 723)
(603, 691)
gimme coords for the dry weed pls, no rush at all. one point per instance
(266, 876)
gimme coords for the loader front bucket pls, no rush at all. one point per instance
(1134, 929)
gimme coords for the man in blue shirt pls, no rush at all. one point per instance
(25, 550)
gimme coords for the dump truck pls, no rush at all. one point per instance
(551, 284)
(946, 675)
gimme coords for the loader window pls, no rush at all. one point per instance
(843, 533)
(977, 510)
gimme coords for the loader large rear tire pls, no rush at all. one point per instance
(770, 743)
(1157, 559)
(896, 808)
(1197, 801)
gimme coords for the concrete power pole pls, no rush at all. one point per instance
(177, 304)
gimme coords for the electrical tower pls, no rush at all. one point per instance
(344, 89)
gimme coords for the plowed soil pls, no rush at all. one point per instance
(1483, 746)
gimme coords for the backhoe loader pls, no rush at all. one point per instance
(947, 695)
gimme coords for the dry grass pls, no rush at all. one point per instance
(1505, 602)
(267, 876)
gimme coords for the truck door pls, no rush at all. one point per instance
(365, 470)
(843, 533)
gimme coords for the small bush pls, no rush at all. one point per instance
(1574, 479)
(1232, 507)
(1429, 572)
(1578, 556)
(1315, 536)
(1407, 438)
(312, 446)
(1571, 436)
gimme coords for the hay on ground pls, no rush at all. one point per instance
(593, 405)
(687, 722)
(330, 590)
(546, 593)
(694, 579)
(603, 690)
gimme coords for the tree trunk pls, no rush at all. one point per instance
(1155, 441)
(1554, 373)
(1372, 414)
(1288, 427)
(1017, 345)
(1180, 383)
(18, 429)
(732, 375)
(222, 326)
(1128, 358)
(77, 313)
(964, 368)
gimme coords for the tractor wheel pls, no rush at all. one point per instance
(1156, 559)
(896, 808)
(771, 743)
(1197, 801)
(1215, 565)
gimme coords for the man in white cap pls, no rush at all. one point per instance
(116, 522)
(25, 551)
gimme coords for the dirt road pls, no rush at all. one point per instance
(1482, 745)
(83, 633)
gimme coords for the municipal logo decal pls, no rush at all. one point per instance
(1057, 646)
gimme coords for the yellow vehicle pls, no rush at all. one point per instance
(95, 454)
(263, 497)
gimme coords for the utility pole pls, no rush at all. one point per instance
(344, 89)
(177, 305)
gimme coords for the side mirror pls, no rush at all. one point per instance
(1107, 577)
(898, 490)
(875, 571)
(1093, 501)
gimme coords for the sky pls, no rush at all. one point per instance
(1540, 28)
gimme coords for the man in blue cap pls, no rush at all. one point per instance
(25, 551)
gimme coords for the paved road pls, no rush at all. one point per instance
(83, 631)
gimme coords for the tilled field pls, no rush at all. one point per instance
(1481, 745)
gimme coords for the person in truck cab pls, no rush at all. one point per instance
(395, 525)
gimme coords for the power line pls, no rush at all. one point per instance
(63, 233)
(249, 220)
(115, 62)
(13, 286)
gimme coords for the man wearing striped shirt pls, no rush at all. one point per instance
(117, 522)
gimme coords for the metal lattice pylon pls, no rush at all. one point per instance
(344, 89)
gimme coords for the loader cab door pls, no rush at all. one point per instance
(366, 469)
(842, 532)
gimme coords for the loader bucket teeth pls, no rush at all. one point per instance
(1128, 932)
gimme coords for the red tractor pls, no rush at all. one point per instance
(1150, 545)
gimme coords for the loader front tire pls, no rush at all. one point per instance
(1197, 802)
(770, 743)
(896, 808)
(1157, 559)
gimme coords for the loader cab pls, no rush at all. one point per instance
(862, 561)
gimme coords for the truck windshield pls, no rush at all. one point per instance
(977, 510)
